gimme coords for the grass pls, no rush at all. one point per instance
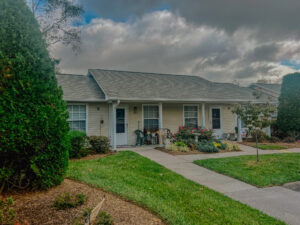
(273, 169)
(176, 199)
(269, 147)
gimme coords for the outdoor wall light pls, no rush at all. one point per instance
(98, 108)
(135, 110)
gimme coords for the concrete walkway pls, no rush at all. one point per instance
(277, 201)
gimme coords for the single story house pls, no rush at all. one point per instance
(117, 103)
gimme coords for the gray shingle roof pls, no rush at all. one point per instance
(272, 87)
(79, 88)
(126, 85)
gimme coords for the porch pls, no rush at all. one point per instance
(127, 117)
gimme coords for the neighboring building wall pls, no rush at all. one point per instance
(96, 113)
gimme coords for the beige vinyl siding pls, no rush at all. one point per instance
(228, 119)
(95, 116)
(172, 118)
(134, 121)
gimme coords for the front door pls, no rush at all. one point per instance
(216, 122)
(121, 126)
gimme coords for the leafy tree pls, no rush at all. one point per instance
(289, 104)
(256, 117)
(56, 19)
(33, 126)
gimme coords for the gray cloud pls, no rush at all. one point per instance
(273, 17)
(165, 42)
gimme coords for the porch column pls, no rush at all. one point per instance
(239, 125)
(203, 116)
(114, 122)
(160, 121)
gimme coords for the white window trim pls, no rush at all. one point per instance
(86, 113)
(148, 118)
(183, 117)
(210, 116)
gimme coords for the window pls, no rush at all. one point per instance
(151, 117)
(191, 116)
(77, 117)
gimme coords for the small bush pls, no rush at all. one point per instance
(186, 134)
(274, 139)
(206, 146)
(236, 147)
(65, 201)
(7, 212)
(220, 145)
(103, 218)
(289, 139)
(175, 148)
(261, 136)
(78, 141)
(180, 144)
(99, 144)
(231, 146)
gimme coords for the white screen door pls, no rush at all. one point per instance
(216, 122)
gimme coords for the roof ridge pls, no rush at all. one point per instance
(168, 74)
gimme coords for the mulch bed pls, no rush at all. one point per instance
(287, 145)
(36, 207)
(192, 152)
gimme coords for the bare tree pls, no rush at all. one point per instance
(57, 20)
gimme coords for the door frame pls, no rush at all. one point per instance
(210, 117)
(125, 107)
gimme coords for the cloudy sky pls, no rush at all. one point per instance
(221, 40)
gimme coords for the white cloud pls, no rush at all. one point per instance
(165, 42)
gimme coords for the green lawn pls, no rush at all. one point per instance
(274, 169)
(270, 147)
(176, 199)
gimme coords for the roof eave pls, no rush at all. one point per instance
(187, 100)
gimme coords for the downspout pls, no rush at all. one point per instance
(114, 125)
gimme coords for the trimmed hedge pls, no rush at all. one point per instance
(99, 144)
(33, 126)
(78, 140)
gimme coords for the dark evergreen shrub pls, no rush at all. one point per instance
(78, 141)
(33, 126)
(289, 104)
(99, 144)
